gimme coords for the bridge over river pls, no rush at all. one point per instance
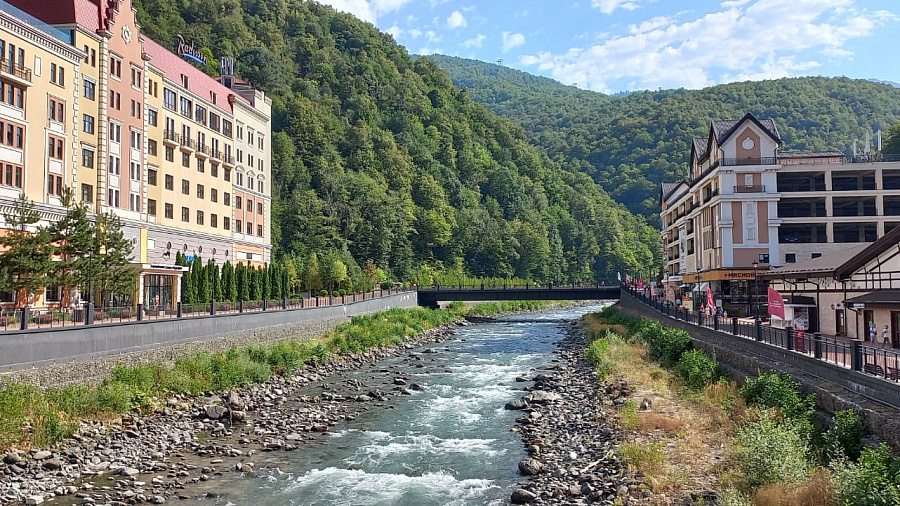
(431, 297)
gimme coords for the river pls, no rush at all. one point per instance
(447, 444)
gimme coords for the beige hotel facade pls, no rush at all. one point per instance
(133, 128)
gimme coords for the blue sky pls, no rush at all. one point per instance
(619, 45)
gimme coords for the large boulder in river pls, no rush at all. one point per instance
(516, 404)
(541, 397)
(522, 496)
(215, 411)
(530, 466)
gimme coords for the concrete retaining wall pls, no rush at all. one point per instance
(43, 347)
(836, 388)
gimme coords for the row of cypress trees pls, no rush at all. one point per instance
(233, 283)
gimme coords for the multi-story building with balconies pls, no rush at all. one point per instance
(748, 207)
(136, 130)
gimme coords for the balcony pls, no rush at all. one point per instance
(171, 138)
(216, 155)
(710, 195)
(203, 150)
(736, 162)
(755, 188)
(228, 160)
(188, 144)
(17, 73)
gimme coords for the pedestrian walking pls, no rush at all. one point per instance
(885, 336)
(872, 330)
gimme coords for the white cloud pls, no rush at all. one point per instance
(608, 6)
(432, 36)
(456, 20)
(512, 40)
(367, 10)
(394, 31)
(415, 33)
(474, 41)
(747, 40)
(426, 50)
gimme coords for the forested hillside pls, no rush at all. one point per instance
(631, 143)
(378, 157)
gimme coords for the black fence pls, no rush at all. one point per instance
(840, 351)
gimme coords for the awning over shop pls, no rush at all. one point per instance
(799, 301)
(877, 297)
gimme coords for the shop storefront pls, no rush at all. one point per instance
(159, 287)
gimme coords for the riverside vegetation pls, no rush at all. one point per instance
(759, 444)
(32, 416)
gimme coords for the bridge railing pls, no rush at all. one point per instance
(844, 352)
(527, 286)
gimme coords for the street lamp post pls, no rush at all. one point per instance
(755, 266)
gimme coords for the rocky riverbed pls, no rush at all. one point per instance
(159, 456)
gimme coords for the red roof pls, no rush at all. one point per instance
(198, 83)
(60, 12)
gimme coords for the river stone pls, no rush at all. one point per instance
(530, 466)
(540, 396)
(516, 404)
(522, 496)
(12, 458)
(52, 464)
(128, 471)
(41, 455)
(214, 411)
(35, 499)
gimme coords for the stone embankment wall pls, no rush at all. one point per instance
(75, 354)
(836, 388)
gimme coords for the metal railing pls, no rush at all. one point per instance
(29, 318)
(17, 70)
(733, 162)
(839, 351)
(754, 188)
(171, 135)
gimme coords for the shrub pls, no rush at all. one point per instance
(666, 345)
(649, 459)
(770, 451)
(598, 353)
(872, 481)
(844, 437)
(323, 293)
(335, 293)
(779, 391)
(698, 369)
(628, 415)
(387, 285)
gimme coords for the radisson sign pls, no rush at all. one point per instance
(190, 52)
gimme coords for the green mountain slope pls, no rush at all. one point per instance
(378, 157)
(631, 143)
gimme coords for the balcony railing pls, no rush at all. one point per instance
(228, 159)
(189, 143)
(754, 188)
(171, 135)
(710, 195)
(16, 70)
(731, 162)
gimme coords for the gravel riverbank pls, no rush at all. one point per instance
(156, 457)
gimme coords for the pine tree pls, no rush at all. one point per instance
(242, 283)
(200, 281)
(215, 281)
(229, 288)
(255, 285)
(115, 276)
(72, 238)
(264, 282)
(179, 258)
(275, 281)
(27, 255)
(188, 289)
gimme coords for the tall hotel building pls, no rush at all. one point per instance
(91, 104)
(748, 207)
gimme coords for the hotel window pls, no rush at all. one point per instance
(213, 220)
(259, 208)
(250, 163)
(152, 116)
(87, 158)
(87, 193)
(226, 198)
(213, 195)
(185, 160)
(240, 179)
(55, 148)
(115, 165)
(226, 223)
(54, 185)
(237, 226)
(185, 214)
(250, 205)
(185, 187)
(226, 128)
(200, 115)
(136, 109)
(154, 88)
(136, 140)
(214, 121)
(169, 182)
(115, 100)
(227, 174)
(13, 95)
(259, 186)
(200, 191)
(57, 111)
(151, 147)
(259, 230)
(186, 107)
(201, 140)
(250, 137)
(170, 154)
(169, 211)
(240, 132)
(240, 156)
(87, 124)
(151, 207)
(214, 170)
(249, 228)
(169, 99)
(136, 78)
(259, 164)
(135, 171)
(259, 141)
(115, 67)
(115, 132)
(90, 90)
(12, 175)
(237, 202)
(250, 183)
(14, 137)
(199, 217)
(185, 135)
(57, 75)
(151, 177)
(134, 202)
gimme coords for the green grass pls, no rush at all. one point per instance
(34, 416)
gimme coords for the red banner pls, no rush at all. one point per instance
(710, 300)
(776, 303)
